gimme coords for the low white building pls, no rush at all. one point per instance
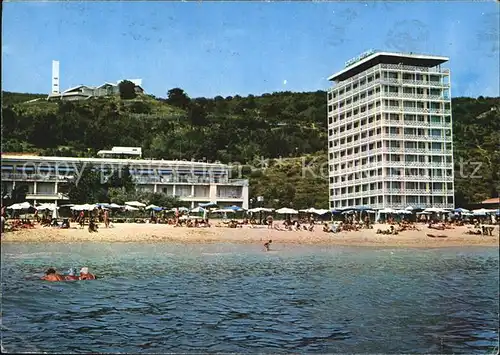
(192, 181)
(84, 92)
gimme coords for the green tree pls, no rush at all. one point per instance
(121, 177)
(162, 200)
(178, 98)
(127, 90)
(17, 195)
(88, 188)
(197, 115)
(120, 195)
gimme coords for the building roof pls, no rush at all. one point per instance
(77, 87)
(107, 84)
(492, 201)
(372, 58)
(166, 163)
(122, 150)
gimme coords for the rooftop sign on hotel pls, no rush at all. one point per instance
(359, 57)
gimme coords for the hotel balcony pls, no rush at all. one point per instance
(34, 177)
(418, 137)
(383, 94)
(416, 150)
(346, 83)
(416, 109)
(156, 179)
(406, 123)
(437, 192)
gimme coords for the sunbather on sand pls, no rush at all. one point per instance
(437, 236)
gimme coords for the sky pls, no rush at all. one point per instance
(239, 48)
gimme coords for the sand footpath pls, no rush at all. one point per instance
(130, 232)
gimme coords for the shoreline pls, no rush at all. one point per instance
(161, 233)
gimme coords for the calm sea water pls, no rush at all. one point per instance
(156, 298)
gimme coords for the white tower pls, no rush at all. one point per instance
(55, 77)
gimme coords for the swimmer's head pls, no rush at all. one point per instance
(270, 241)
(50, 271)
(84, 270)
(72, 272)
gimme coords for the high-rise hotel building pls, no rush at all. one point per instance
(390, 132)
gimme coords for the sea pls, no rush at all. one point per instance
(236, 298)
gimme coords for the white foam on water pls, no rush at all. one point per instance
(216, 253)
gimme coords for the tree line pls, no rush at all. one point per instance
(281, 125)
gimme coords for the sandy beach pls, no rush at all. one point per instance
(129, 232)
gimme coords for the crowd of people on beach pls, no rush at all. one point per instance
(354, 221)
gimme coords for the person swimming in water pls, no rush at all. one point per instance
(267, 245)
(86, 275)
(52, 275)
(71, 275)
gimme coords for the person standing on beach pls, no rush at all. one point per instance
(176, 216)
(2, 227)
(267, 245)
(269, 222)
(106, 218)
(81, 218)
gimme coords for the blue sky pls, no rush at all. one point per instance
(243, 48)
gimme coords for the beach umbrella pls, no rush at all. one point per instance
(321, 211)
(130, 208)
(67, 205)
(20, 206)
(234, 208)
(135, 204)
(309, 210)
(103, 205)
(153, 207)
(362, 208)
(333, 210)
(348, 212)
(24, 206)
(47, 207)
(286, 210)
(85, 207)
(197, 210)
(387, 211)
(435, 210)
(402, 212)
(208, 204)
(223, 210)
(260, 209)
(460, 210)
(114, 205)
(181, 209)
(482, 211)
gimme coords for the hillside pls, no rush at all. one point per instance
(235, 129)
